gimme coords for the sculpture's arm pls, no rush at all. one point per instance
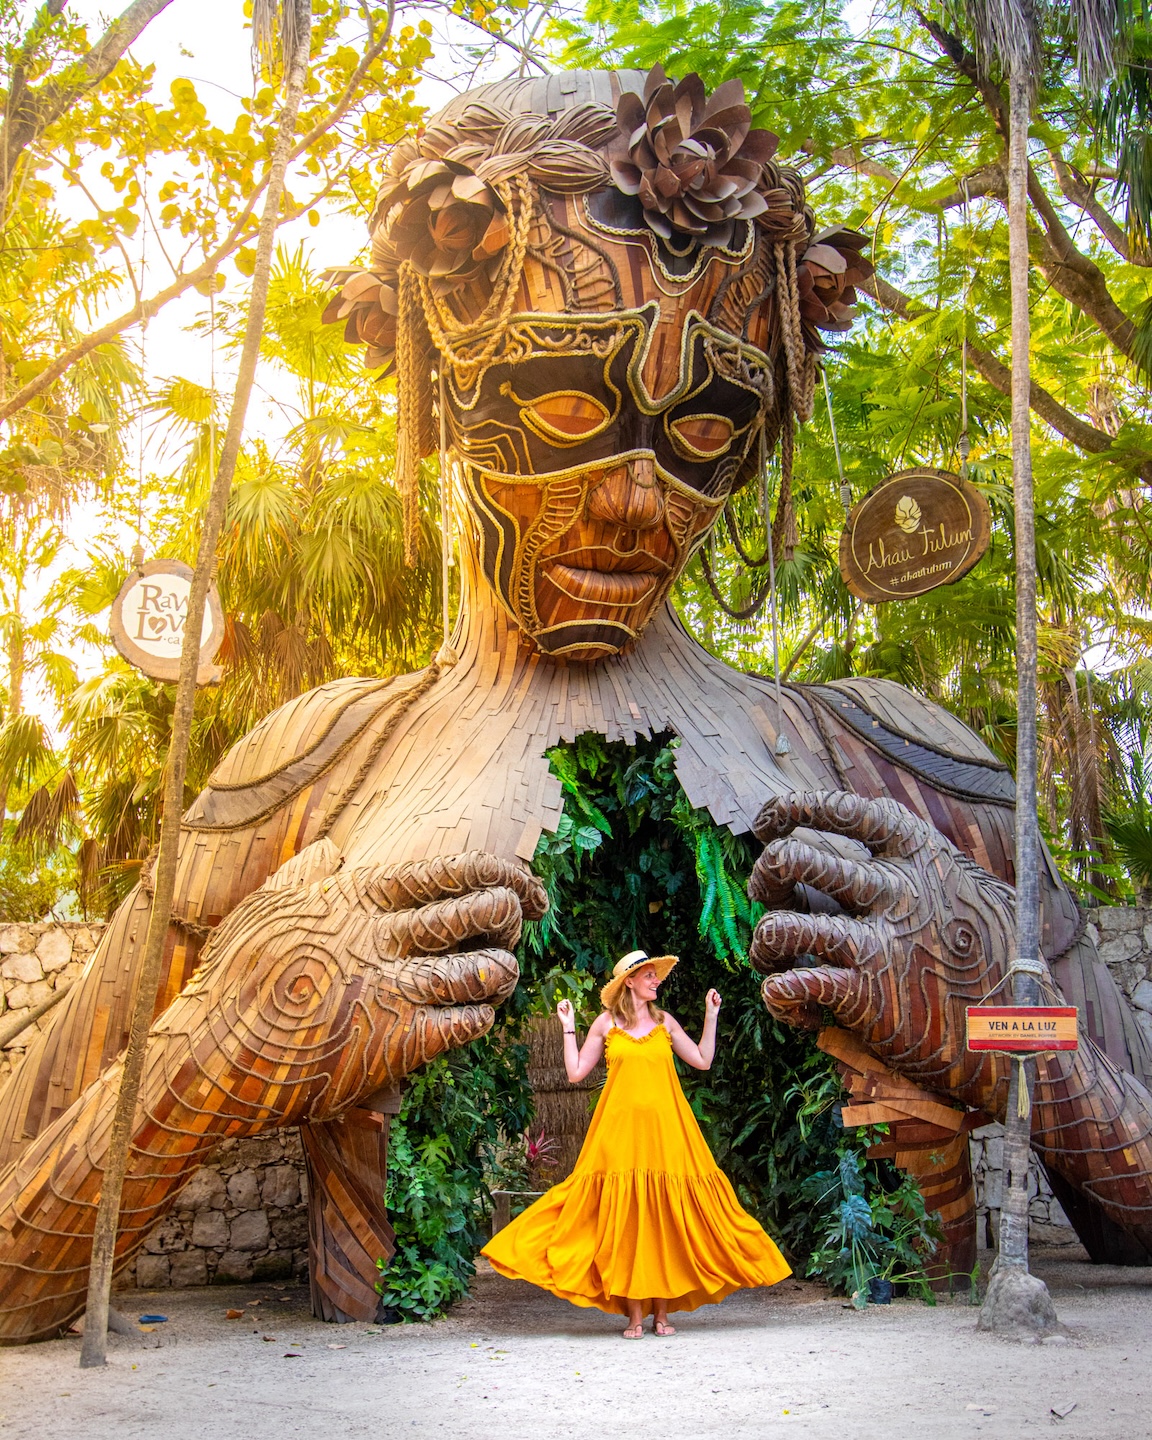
(267, 800)
(308, 1000)
(926, 933)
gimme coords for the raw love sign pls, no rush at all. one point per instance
(148, 618)
(1022, 1029)
(916, 530)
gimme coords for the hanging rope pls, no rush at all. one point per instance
(785, 536)
(845, 488)
(749, 610)
(446, 656)
(801, 365)
(410, 398)
(964, 444)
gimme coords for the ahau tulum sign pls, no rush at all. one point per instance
(148, 621)
(1022, 1029)
(916, 530)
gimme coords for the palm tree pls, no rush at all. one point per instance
(292, 22)
(1008, 37)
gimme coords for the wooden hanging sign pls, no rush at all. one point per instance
(1022, 1029)
(148, 621)
(914, 531)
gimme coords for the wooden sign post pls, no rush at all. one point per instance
(916, 530)
(148, 621)
(1022, 1029)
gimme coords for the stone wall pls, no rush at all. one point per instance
(243, 1215)
(1124, 938)
(35, 960)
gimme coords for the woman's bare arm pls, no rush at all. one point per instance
(580, 1061)
(698, 1056)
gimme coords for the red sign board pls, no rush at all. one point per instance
(1022, 1029)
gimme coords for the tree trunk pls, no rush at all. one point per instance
(1017, 1302)
(104, 1237)
(15, 691)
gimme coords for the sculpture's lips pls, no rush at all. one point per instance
(604, 587)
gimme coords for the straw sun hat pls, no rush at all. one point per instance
(632, 964)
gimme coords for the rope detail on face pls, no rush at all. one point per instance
(448, 334)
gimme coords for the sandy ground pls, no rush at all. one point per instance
(512, 1363)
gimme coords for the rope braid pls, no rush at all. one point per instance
(800, 364)
(421, 313)
(409, 399)
(449, 336)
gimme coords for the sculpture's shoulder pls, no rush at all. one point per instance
(914, 734)
(298, 728)
(905, 713)
(295, 746)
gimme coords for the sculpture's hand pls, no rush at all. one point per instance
(309, 999)
(354, 981)
(926, 932)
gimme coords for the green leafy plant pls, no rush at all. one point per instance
(882, 1235)
(454, 1122)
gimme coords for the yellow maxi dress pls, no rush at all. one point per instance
(647, 1213)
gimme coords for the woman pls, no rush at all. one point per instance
(647, 1222)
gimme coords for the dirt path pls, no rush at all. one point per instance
(511, 1363)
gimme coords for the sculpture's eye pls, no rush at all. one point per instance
(701, 437)
(565, 417)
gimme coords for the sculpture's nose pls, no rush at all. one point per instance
(629, 494)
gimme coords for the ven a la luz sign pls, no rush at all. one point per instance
(1022, 1029)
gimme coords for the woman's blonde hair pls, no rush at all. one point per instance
(624, 1011)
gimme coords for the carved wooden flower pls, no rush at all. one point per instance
(828, 272)
(694, 161)
(366, 302)
(444, 218)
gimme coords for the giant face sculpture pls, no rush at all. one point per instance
(618, 293)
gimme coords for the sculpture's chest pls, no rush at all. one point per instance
(469, 767)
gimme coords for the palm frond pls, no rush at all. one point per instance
(25, 750)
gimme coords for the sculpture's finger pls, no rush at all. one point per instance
(885, 826)
(430, 1030)
(479, 975)
(443, 877)
(788, 861)
(491, 916)
(800, 997)
(783, 935)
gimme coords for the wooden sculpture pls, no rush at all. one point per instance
(606, 294)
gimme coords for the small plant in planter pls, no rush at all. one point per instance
(871, 1244)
